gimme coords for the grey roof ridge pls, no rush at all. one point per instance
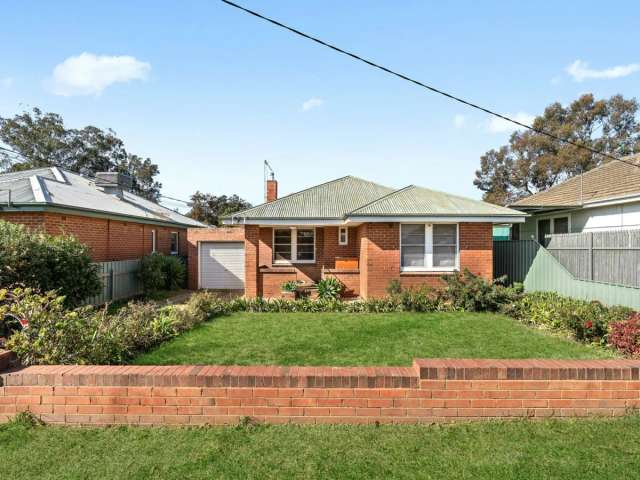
(354, 212)
(239, 214)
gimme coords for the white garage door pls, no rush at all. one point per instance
(222, 265)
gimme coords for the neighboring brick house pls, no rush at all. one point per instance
(114, 223)
(360, 232)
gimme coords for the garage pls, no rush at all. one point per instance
(221, 265)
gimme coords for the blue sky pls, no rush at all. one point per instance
(210, 92)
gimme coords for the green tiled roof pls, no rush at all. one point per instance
(354, 197)
(331, 200)
(419, 201)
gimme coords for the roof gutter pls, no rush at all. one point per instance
(46, 207)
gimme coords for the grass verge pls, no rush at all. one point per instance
(584, 449)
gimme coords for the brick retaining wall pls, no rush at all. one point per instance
(430, 390)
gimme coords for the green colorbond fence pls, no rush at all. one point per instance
(527, 262)
(119, 281)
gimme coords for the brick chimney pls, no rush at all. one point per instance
(272, 190)
(114, 183)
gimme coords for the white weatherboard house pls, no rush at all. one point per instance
(605, 198)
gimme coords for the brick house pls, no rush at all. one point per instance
(114, 223)
(362, 233)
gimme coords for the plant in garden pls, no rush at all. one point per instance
(329, 288)
(625, 335)
(161, 272)
(290, 286)
(46, 262)
(394, 287)
(473, 293)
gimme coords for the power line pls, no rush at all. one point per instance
(424, 85)
(8, 150)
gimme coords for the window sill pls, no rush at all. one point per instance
(440, 271)
(289, 264)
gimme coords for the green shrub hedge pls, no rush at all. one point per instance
(162, 272)
(47, 262)
(56, 335)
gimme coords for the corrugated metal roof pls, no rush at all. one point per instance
(419, 201)
(354, 197)
(68, 189)
(610, 180)
(329, 200)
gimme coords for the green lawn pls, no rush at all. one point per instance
(360, 339)
(584, 449)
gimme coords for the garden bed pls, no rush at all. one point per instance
(341, 339)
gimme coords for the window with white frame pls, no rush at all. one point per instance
(153, 241)
(294, 245)
(174, 243)
(429, 247)
(343, 236)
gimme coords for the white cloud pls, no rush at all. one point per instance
(89, 74)
(313, 102)
(459, 120)
(498, 125)
(580, 71)
(6, 82)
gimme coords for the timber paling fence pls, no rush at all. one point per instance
(609, 257)
(119, 281)
(527, 262)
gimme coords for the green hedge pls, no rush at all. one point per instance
(46, 262)
(162, 272)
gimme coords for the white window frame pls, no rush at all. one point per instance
(428, 249)
(294, 246)
(342, 230)
(177, 234)
(154, 244)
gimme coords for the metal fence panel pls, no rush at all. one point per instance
(609, 257)
(513, 258)
(119, 281)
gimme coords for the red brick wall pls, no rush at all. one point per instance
(430, 390)
(195, 235)
(252, 287)
(378, 247)
(108, 240)
(476, 248)
(380, 256)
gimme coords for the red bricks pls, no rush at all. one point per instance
(430, 390)
(108, 240)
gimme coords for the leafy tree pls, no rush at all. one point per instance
(43, 141)
(532, 162)
(209, 208)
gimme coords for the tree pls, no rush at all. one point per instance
(532, 162)
(42, 140)
(209, 208)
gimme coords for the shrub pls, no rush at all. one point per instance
(625, 335)
(394, 287)
(586, 321)
(161, 272)
(290, 286)
(329, 288)
(469, 292)
(151, 273)
(47, 262)
(175, 272)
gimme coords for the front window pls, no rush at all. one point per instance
(561, 225)
(294, 245)
(174, 243)
(429, 246)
